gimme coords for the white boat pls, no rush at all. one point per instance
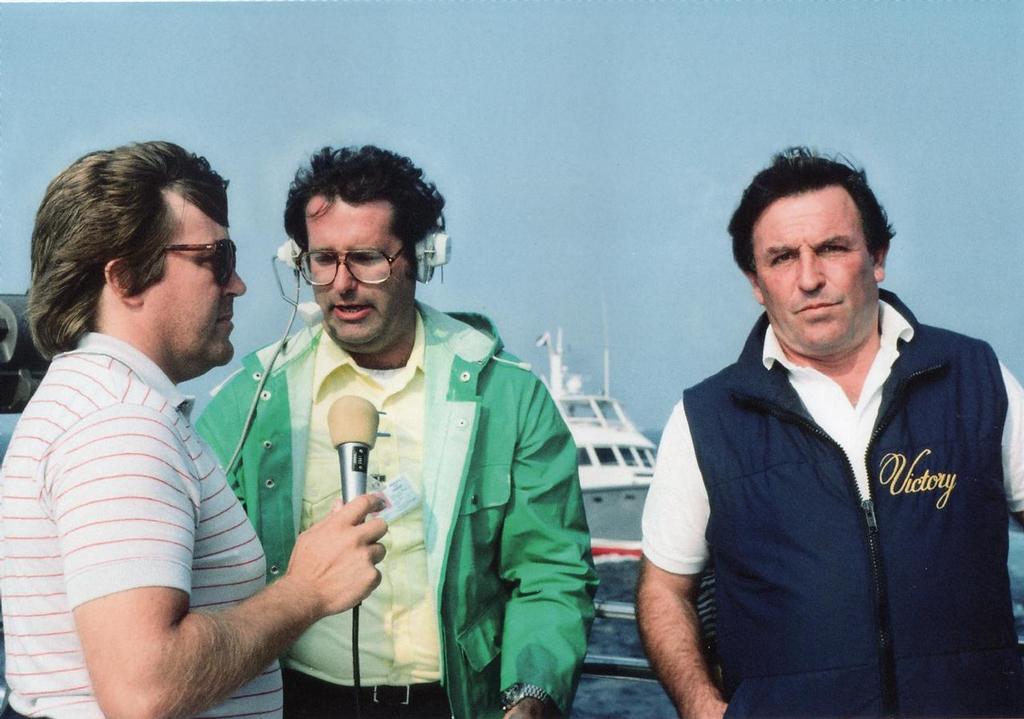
(616, 461)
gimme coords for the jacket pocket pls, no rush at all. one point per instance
(493, 489)
(480, 642)
(482, 514)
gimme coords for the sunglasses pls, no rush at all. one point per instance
(223, 257)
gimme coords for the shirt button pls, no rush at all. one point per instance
(274, 569)
(461, 423)
(269, 483)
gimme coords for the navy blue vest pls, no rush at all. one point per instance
(831, 606)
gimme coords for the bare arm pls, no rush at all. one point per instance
(149, 656)
(670, 631)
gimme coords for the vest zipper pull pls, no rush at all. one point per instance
(869, 514)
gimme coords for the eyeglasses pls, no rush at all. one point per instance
(370, 267)
(223, 257)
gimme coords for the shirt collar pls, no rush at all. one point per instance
(330, 358)
(140, 364)
(895, 327)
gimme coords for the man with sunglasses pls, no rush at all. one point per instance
(133, 584)
(486, 597)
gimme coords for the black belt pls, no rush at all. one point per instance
(309, 695)
(409, 694)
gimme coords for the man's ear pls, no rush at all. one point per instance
(115, 276)
(878, 260)
(752, 279)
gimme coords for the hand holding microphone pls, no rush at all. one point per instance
(336, 556)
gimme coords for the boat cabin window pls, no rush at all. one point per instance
(582, 457)
(606, 455)
(580, 409)
(628, 456)
(610, 410)
(647, 457)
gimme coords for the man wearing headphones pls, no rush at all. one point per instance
(487, 592)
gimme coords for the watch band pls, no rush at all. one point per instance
(519, 691)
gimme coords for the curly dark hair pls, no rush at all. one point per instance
(358, 175)
(797, 170)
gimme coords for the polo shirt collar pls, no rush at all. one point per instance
(140, 364)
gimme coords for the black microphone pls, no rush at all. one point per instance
(352, 422)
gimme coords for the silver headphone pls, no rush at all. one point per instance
(432, 251)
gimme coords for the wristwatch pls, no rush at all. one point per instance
(519, 691)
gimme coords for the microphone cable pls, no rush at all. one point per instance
(356, 684)
(251, 414)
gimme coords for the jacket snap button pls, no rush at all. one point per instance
(257, 376)
(464, 376)
(267, 444)
(269, 483)
(264, 395)
(274, 569)
(461, 423)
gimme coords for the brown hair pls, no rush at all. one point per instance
(109, 205)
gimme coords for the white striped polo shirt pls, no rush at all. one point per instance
(106, 487)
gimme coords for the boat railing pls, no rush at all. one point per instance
(616, 667)
(611, 666)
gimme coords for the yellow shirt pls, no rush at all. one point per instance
(398, 632)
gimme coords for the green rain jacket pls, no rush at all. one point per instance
(507, 544)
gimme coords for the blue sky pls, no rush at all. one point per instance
(589, 151)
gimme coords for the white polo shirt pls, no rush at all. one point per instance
(676, 512)
(106, 488)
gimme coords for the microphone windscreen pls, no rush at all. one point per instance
(352, 419)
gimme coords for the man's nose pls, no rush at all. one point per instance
(344, 281)
(236, 285)
(811, 277)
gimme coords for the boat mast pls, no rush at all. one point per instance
(556, 367)
(604, 323)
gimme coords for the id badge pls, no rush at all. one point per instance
(399, 499)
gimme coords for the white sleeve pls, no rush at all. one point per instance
(1013, 442)
(124, 504)
(676, 511)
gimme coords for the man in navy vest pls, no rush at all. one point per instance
(849, 477)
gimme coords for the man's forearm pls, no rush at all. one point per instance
(180, 662)
(670, 631)
(215, 652)
(151, 656)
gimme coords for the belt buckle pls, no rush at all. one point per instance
(404, 702)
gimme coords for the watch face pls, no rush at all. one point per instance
(517, 692)
(510, 696)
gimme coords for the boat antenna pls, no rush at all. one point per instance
(604, 323)
(557, 368)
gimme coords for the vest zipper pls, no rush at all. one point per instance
(886, 652)
(887, 664)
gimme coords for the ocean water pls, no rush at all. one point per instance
(602, 698)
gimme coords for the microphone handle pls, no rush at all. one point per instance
(353, 457)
